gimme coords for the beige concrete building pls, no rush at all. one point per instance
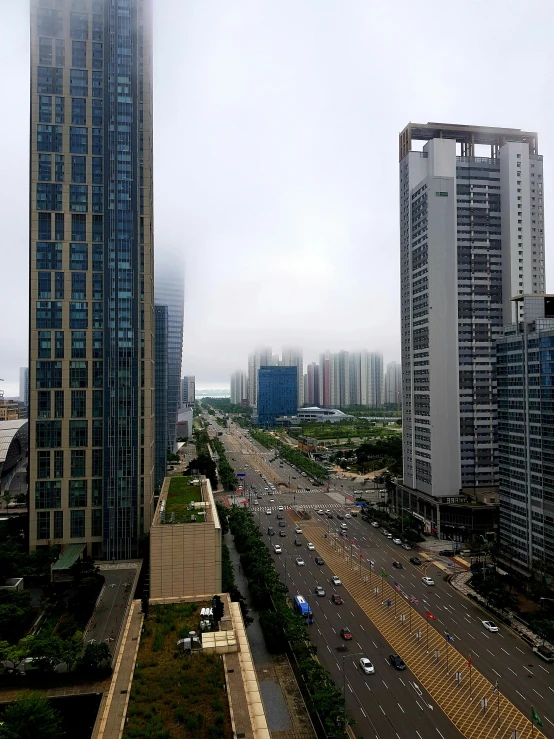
(185, 542)
(91, 314)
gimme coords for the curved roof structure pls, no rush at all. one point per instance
(14, 442)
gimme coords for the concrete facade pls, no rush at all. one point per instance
(185, 559)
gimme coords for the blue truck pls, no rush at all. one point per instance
(301, 605)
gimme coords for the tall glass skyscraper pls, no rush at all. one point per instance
(170, 291)
(91, 275)
(160, 394)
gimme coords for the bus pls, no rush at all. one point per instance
(301, 605)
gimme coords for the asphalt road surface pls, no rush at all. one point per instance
(387, 703)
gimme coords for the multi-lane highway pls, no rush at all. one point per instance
(387, 703)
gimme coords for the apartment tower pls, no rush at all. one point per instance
(471, 238)
(91, 374)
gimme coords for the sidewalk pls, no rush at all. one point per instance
(286, 713)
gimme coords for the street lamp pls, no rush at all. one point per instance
(344, 656)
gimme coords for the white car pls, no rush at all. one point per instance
(268, 511)
(281, 508)
(336, 580)
(272, 500)
(490, 626)
(389, 536)
(256, 502)
(311, 547)
(347, 515)
(319, 591)
(366, 666)
(320, 512)
(375, 524)
(300, 562)
(327, 510)
(298, 530)
(277, 549)
(427, 581)
(397, 541)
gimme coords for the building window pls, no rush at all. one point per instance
(48, 434)
(97, 199)
(78, 26)
(78, 111)
(98, 231)
(78, 140)
(49, 196)
(97, 22)
(97, 403)
(49, 138)
(45, 109)
(60, 52)
(78, 374)
(97, 55)
(48, 314)
(78, 257)
(45, 167)
(97, 373)
(78, 315)
(58, 463)
(43, 465)
(97, 291)
(45, 226)
(43, 404)
(78, 228)
(78, 53)
(59, 285)
(97, 433)
(78, 286)
(59, 345)
(45, 51)
(96, 492)
(78, 434)
(44, 345)
(78, 169)
(96, 522)
(97, 463)
(49, 256)
(77, 523)
(48, 375)
(78, 82)
(97, 141)
(60, 169)
(60, 110)
(48, 494)
(49, 22)
(44, 285)
(43, 524)
(97, 347)
(78, 345)
(78, 463)
(78, 403)
(58, 524)
(49, 80)
(97, 84)
(97, 315)
(78, 198)
(97, 112)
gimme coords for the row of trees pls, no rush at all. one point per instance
(226, 473)
(283, 627)
(291, 455)
(203, 463)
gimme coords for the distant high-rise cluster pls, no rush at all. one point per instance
(339, 380)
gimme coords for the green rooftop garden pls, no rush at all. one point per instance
(180, 495)
(176, 694)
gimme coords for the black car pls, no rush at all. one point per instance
(398, 565)
(279, 517)
(319, 561)
(282, 524)
(448, 552)
(415, 560)
(341, 518)
(397, 662)
(329, 515)
(282, 533)
(297, 543)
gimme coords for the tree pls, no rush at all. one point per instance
(29, 717)
(47, 650)
(94, 654)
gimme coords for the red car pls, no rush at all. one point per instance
(345, 633)
(337, 599)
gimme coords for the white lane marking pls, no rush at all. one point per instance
(536, 691)
(487, 636)
(439, 732)
(328, 647)
(399, 706)
(515, 673)
(467, 619)
(438, 596)
(471, 635)
(362, 710)
(517, 691)
(351, 614)
(419, 704)
(520, 650)
(526, 668)
(549, 721)
(448, 594)
(381, 707)
(361, 627)
(496, 673)
(385, 684)
(402, 681)
(544, 668)
(350, 688)
(508, 653)
(474, 652)
(376, 647)
(489, 651)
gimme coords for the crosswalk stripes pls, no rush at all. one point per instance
(302, 506)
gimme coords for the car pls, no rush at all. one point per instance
(282, 533)
(268, 511)
(336, 599)
(406, 546)
(319, 561)
(319, 591)
(427, 581)
(341, 518)
(366, 666)
(279, 517)
(298, 530)
(336, 580)
(384, 532)
(347, 515)
(544, 653)
(297, 543)
(397, 541)
(397, 662)
(320, 512)
(277, 549)
(281, 508)
(389, 535)
(354, 513)
(311, 546)
(300, 562)
(398, 565)
(375, 524)
(345, 633)
(256, 502)
(327, 511)
(266, 490)
(282, 524)
(415, 560)
(329, 515)
(448, 552)
(490, 625)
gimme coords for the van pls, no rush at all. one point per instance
(546, 654)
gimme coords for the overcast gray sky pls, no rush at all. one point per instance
(276, 157)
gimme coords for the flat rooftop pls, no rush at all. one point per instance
(177, 505)
(465, 134)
